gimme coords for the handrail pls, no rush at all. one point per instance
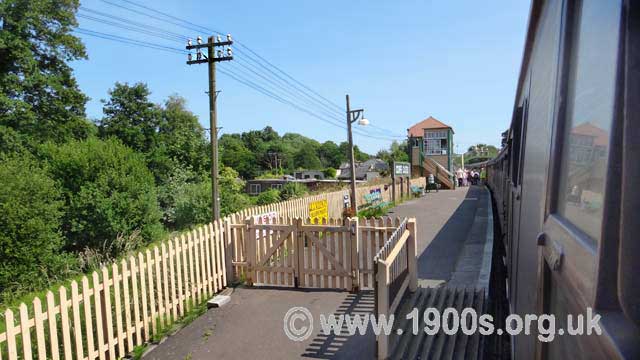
(394, 275)
(384, 250)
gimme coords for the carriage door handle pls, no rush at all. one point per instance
(553, 253)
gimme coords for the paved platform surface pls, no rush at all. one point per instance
(251, 327)
(450, 225)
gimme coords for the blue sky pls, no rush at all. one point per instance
(401, 61)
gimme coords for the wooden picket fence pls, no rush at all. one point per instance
(106, 314)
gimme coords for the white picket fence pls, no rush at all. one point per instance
(108, 313)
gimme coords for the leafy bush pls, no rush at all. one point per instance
(293, 190)
(268, 197)
(108, 191)
(186, 198)
(232, 195)
(330, 173)
(193, 205)
(374, 212)
(30, 239)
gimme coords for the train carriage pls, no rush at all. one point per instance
(564, 182)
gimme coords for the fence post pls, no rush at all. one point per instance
(408, 186)
(299, 249)
(227, 242)
(354, 245)
(393, 188)
(412, 263)
(383, 306)
(250, 236)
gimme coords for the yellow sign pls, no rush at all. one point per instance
(319, 211)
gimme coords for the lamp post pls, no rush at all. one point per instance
(353, 116)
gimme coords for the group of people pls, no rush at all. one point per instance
(468, 177)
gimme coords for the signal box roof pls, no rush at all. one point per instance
(429, 123)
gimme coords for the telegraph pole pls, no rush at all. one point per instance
(212, 58)
(353, 116)
(351, 160)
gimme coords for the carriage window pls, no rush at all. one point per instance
(590, 112)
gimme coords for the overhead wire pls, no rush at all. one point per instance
(281, 83)
(129, 41)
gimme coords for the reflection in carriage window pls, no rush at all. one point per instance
(590, 112)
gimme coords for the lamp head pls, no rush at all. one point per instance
(363, 122)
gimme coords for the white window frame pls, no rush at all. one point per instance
(276, 186)
(433, 142)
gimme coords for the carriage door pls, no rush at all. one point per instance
(575, 227)
(517, 155)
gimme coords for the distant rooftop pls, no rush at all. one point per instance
(429, 123)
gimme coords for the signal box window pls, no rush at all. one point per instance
(435, 142)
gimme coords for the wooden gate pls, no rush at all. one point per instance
(272, 252)
(292, 253)
(327, 254)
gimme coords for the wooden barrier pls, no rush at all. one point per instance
(107, 313)
(396, 271)
(287, 252)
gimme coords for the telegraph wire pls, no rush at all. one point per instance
(181, 37)
(196, 27)
(129, 41)
(282, 88)
(229, 73)
(328, 104)
(125, 27)
(242, 63)
(266, 92)
(278, 98)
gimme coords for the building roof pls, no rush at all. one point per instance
(371, 165)
(417, 130)
(600, 136)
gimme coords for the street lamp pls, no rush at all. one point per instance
(353, 116)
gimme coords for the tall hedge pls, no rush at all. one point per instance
(30, 239)
(108, 192)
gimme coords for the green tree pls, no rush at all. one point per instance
(108, 192)
(331, 155)
(232, 195)
(268, 197)
(397, 152)
(357, 154)
(188, 197)
(235, 154)
(30, 239)
(39, 96)
(307, 158)
(182, 138)
(131, 117)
